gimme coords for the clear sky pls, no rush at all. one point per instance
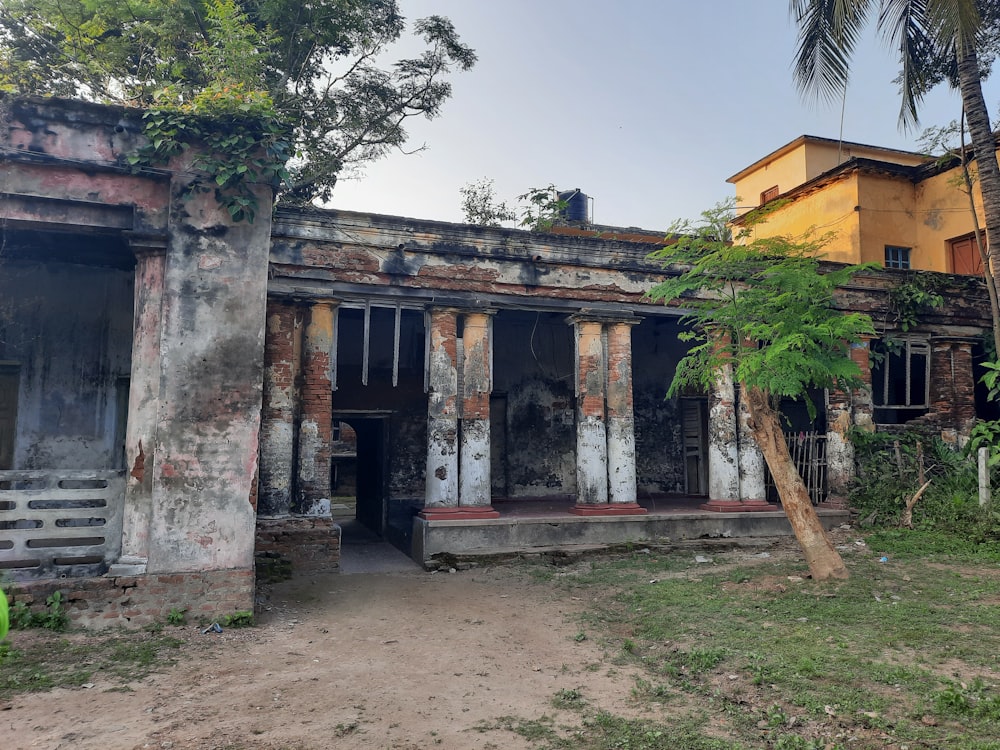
(647, 106)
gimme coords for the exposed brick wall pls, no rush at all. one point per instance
(135, 601)
(310, 543)
(317, 406)
(277, 430)
(952, 390)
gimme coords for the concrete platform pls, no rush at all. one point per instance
(529, 526)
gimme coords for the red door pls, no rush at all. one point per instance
(965, 258)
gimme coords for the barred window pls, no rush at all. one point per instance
(900, 379)
(897, 256)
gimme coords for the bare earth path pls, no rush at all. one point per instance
(377, 660)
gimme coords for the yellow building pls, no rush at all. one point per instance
(879, 205)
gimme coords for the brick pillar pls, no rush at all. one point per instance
(862, 406)
(316, 425)
(441, 476)
(277, 425)
(591, 428)
(723, 458)
(952, 388)
(621, 419)
(474, 456)
(143, 400)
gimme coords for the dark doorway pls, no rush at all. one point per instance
(372, 495)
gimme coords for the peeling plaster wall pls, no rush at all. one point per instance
(69, 327)
(659, 432)
(533, 366)
(212, 349)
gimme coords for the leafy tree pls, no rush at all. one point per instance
(765, 309)
(937, 40)
(314, 63)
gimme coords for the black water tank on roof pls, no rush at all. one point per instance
(576, 205)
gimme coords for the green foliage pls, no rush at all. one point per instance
(991, 379)
(543, 208)
(889, 472)
(238, 620)
(960, 700)
(538, 209)
(763, 306)
(481, 206)
(315, 61)
(238, 137)
(177, 616)
(909, 299)
(52, 617)
(4, 615)
(986, 434)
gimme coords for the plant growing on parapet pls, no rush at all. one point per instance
(537, 210)
(543, 208)
(481, 206)
(313, 63)
(764, 310)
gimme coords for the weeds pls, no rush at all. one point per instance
(48, 660)
(569, 699)
(52, 617)
(238, 620)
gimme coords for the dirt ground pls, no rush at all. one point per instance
(402, 659)
(386, 660)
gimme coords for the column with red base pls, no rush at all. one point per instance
(441, 476)
(474, 453)
(723, 456)
(605, 433)
(621, 419)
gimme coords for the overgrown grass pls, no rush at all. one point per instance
(37, 661)
(906, 652)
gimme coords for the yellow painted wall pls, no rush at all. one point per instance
(786, 172)
(943, 214)
(892, 210)
(829, 210)
(887, 217)
(798, 162)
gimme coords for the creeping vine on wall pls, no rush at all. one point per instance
(914, 296)
(237, 137)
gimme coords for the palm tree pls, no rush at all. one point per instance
(935, 39)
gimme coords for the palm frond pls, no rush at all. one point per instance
(828, 34)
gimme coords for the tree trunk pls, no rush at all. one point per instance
(984, 146)
(824, 561)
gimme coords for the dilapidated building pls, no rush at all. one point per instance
(174, 386)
